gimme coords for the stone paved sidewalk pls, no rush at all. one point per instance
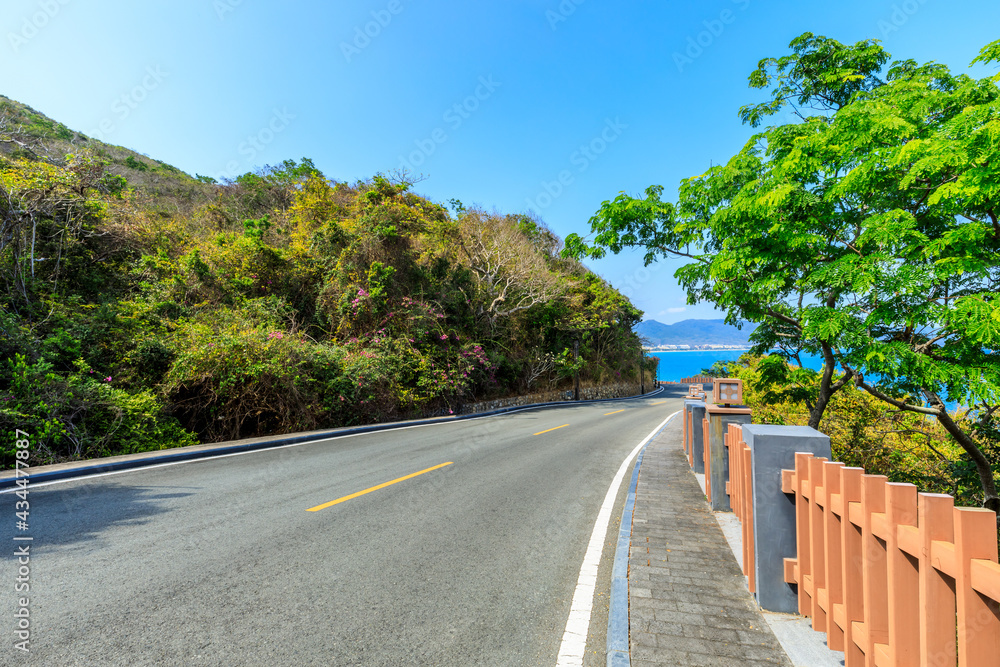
(688, 601)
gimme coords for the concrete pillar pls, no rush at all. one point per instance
(773, 450)
(696, 414)
(719, 418)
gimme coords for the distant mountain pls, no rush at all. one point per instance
(694, 333)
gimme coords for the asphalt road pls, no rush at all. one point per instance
(218, 562)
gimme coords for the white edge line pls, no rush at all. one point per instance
(574, 641)
(258, 451)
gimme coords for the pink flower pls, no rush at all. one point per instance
(107, 379)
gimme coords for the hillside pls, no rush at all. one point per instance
(143, 308)
(694, 333)
(28, 134)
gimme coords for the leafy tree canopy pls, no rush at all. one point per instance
(865, 230)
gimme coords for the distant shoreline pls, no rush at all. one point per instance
(710, 349)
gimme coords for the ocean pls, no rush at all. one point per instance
(675, 366)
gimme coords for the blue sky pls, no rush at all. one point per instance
(524, 104)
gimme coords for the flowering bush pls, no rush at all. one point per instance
(279, 302)
(237, 376)
(80, 415)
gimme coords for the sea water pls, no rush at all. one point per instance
(675, 366)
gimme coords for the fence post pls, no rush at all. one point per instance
(978, 616)
(903, 577)
(875, 572)
(833, 477)
(773, 449)
(937, 601)
(696, 449)
(694, 392)
(817, 541)
(719, 418)
(852, 573)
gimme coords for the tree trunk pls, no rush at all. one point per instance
(827, 388)
(642, 372)
(576, 372)
(991, 500)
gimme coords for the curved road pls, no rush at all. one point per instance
(219, 561)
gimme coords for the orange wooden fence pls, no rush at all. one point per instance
(706, 459)
(892, 576)
(740, 489)
(694, 391)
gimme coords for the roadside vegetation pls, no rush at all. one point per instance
(143, 308)
(862, 227)
(865, 432)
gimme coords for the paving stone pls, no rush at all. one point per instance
(688, 601)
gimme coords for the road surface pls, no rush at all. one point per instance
(221, 561)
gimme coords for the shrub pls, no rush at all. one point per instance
(80, 415)
(138, 165)
(864, 432)
(239, 375)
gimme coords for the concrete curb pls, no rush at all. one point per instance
(618, 628)
(8, 479)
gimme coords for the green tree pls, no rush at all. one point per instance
(865, 231)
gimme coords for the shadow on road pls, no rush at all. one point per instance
(63, 516)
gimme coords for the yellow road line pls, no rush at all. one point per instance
(552, 429)
(374, 488)
(658, 403)
(614, 413)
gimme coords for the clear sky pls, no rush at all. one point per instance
(514, 105)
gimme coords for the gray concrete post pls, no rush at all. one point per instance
(719, 419)
(774, 450)
(696, 413)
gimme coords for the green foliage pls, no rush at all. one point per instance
(79, 415)
(138, 165)
(255, 229)
(989, 54)
(867, 232)
(865, 432)
(820, 74)
(146, 308)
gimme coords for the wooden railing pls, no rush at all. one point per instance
(740, 489)
(706, 459)
(892, 576)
